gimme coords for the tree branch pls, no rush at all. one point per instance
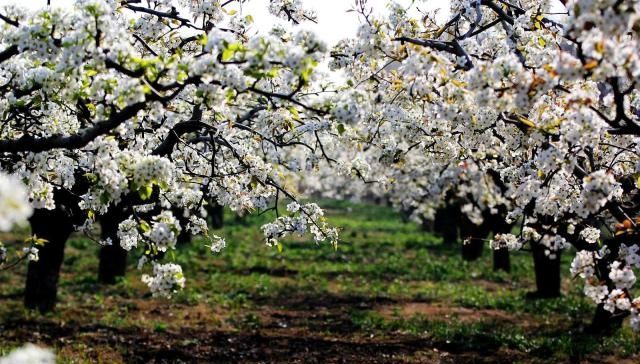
(30, 144)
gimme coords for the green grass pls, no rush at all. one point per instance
(387, 279)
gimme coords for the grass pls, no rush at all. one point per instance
(390, 293)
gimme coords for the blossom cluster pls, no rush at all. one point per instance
(14, 202)
(166, 280)
(29, 354)
(151, 111)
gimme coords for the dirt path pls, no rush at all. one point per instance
(265, 345)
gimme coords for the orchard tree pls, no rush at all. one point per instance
(126, 111)
(546, 106)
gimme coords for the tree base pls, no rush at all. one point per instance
(113, 264)
(472, 250)
(216, 215)
(501, 260)
(605, 323)
(537, 295)
(41, 288)
(547, 272)
(113, 259)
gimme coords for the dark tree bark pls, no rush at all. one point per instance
(605, 322)
(475, 235)
(446, 223)
(113, 259)
(501, 260)
(113, 263)
(439, 220)
(472, 250)
(42, 276)
(426, 225)
(547, 273)
(216, 215)
(185, 236)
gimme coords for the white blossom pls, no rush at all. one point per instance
(29, 354)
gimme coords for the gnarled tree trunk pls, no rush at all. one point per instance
(113, 259)
(605, 322)
(42, 276)
(547, 272)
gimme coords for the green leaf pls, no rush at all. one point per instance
(230, 50)
(272, 73)
(306, 74)
(254, 182)
(294, 112)
(181, 76)
(145, 192)
(144, 226)
(341, 129)
(203, 39)
(35, 240)
(227, 54)
(541, 42)
(104, 198)
(40, 241)
(230, 94)
(92, 178)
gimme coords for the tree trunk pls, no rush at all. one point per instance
(439, 221)
(547, 273)
(185, 236)
(216, 214)
(475, 236)
(113, 263)
(446, 224)
(501, 260)
(42, 276)
(450, 234)
(605, 322)
(472, 250)
(426, 225)
(113, 259)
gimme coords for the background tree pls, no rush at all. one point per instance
(127, 111)
(545, 105)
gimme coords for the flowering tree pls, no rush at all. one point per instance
(545, 107)
(128, 111)
(506, 108)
